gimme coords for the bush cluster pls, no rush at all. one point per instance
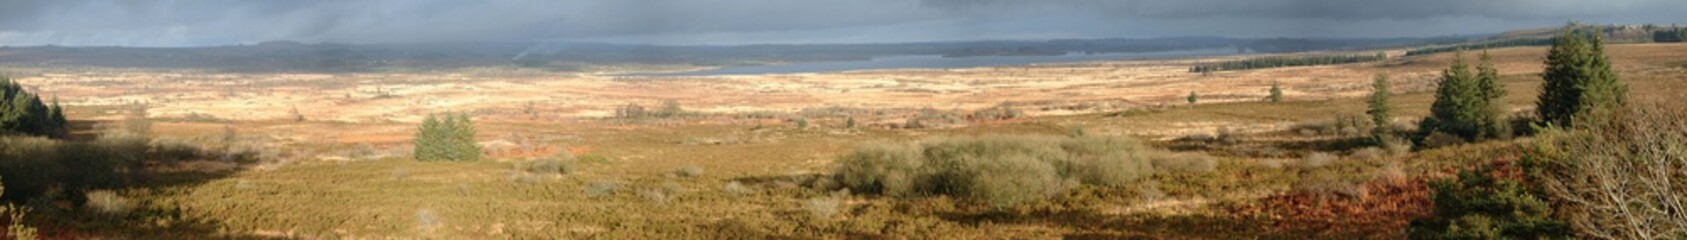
(24, 113)
(451, 139)
(995, 170)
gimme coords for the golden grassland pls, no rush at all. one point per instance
(342, 173)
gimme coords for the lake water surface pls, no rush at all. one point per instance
(938, 61)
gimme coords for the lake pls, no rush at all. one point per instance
(938, 61)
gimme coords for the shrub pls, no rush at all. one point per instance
(655, 195)
(562, 163)
(883, 169)
(173, 149)
(602, 189)
(1441, 139)
(1624, 181)
(823, 207)
(995, 170)
(107, 202)
(689, 171)
(1317, 159)
(736, 188)
(1477, 205)
(1395, 145)
(1002, 111)
(1368, 153)
(933, 118)
(1184, 162)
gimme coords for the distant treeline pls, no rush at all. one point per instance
(1481, 45)
(1671, 35)
(1287, 61)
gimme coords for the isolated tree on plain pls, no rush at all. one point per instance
(1192, 98)
(1276, 92)
(1379, 109)
(448, 137)
(1580, 89)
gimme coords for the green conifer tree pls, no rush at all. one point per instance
(1580, 89)
(1457, 109)
(1192, 98)
(1379, 109)
(427, 141)
(1493, 111)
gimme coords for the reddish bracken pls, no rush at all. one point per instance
(1379, 210)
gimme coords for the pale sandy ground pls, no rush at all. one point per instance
(402, 98)
(405, 96)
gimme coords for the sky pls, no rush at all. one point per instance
(179, 23)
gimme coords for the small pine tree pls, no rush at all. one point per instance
(1493, 111)
(1580, 89)
(1192, 98)
(1379, 109)
(61, 125)
(464, 147)
(849, 123)
(427, 140)
(1276, 92)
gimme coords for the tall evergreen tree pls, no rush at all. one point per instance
(1458, 103)
(1580, 89)
(1379, 109)
(1493, 110)
(1276, 92)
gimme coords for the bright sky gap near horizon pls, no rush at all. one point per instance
(178, 23)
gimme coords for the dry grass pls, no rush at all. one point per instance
(629, 180)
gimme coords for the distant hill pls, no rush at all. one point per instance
(329, 57)
(1543, 36)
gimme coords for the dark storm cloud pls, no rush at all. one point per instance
(1337, 9)
(216, 22)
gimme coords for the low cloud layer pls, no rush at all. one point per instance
(221, 22)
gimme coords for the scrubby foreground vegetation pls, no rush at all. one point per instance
(1586, 144)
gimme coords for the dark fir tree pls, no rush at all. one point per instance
(1192, 98)
(1580, 89)
(1458, 103)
